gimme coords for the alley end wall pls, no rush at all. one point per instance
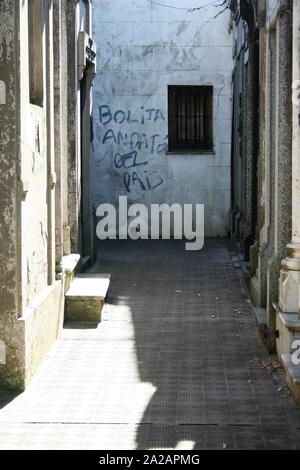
(142, 49)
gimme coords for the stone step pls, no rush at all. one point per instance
(86, 297)
(292, 374)
(261, 321)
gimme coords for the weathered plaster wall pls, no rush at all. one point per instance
(143, 48)
(32, 146)
(11, 333)
(34, 178)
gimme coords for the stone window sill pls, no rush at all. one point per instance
(191, 152)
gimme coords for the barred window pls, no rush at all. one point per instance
(190, 118)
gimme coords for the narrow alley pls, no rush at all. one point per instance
(149, 225)
(177, 363)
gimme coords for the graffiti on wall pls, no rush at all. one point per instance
(134, 149)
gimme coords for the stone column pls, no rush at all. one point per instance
(289, 298)
(58, 127)
(73, 125)
(281, 162)
(49, 72)
(273, 263)
(248, 155)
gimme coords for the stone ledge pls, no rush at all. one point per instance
(89, 287)
(289, 320)
(86, 296)
(293, 375)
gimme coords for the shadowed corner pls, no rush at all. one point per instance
(7, 397)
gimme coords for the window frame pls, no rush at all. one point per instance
(206, 146)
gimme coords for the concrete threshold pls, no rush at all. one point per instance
(86, 297)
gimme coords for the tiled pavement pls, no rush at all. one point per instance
(175, 364)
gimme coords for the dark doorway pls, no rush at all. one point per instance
(86, 212)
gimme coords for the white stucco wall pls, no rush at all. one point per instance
(143, 48)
